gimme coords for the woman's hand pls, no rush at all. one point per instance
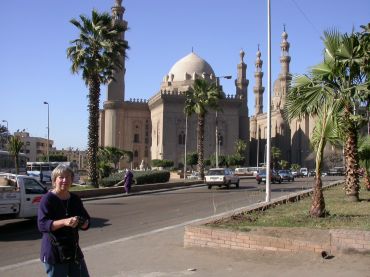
(71, 222)
(85, 225)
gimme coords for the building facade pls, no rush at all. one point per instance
(156, 128)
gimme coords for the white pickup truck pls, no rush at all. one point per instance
(20, 196)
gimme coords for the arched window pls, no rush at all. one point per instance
(182, 138)
(136, 153)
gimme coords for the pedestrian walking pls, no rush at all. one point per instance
(127, 181)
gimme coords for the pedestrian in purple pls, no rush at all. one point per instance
(127, 181)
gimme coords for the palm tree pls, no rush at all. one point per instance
(275, 155)
(342, 72)
(114, 155)
(15, 146)
(97, 52)
(308, 96)
(201, 96)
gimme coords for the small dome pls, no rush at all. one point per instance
(190, 64)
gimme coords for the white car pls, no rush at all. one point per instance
(221, 177)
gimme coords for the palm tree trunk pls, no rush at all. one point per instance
(352, 185)
(93, 130)
(318, 201)
(367, 179)
(16, 161)
(200, 145)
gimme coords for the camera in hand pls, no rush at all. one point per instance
(81, 221)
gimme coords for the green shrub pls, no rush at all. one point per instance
(140, 177)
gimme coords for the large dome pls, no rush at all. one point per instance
(190, 64)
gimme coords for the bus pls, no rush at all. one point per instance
(34, 169)
(7, 162)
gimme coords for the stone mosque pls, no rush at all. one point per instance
(156, 128)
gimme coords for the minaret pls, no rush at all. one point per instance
(241, 84)
(116, 88)
(258, 89)
(284, 76)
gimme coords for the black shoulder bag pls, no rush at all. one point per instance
(66, 247)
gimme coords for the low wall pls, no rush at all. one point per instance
(135, 188)
(337, 241)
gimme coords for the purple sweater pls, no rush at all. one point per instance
(53, 208)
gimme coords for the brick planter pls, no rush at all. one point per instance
(200, 235)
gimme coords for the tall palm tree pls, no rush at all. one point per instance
(342, 72)
(199, 98)
(308, 96)
(15, 146)
(97, 52)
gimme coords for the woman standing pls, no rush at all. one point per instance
(61, 214)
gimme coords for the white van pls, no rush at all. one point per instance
(304, 171)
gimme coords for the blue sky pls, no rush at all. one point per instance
(36, 34)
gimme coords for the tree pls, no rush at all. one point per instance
(309, 95)
(97, 52)
(295, 167)
(343, 74)
(15, 146)
(364, 156)
(114, 155)
(283, 164)
(275, 155)
(199, 98)
(192, 159)
(240, 147)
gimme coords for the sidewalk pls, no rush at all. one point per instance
(161, 253)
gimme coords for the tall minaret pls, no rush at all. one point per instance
(116, 88)
(280, 92)
(241, 84)
(258, 89)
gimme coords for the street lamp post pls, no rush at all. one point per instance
(217, 85)
(47, 148)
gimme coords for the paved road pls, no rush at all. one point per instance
(119, 217)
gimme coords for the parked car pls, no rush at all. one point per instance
(304, 171)
(286, 175)
(221, 177)
(274, 176)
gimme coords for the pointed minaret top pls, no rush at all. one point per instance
(242, 55)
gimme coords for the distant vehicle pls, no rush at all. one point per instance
(7, 162)
(20, 196)
(221, 177)
(274, 177)
(286, 175)
(194, 176)
(34, 169)
(243, 171)
(304, 171)
(312, 173)
(337, 171)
